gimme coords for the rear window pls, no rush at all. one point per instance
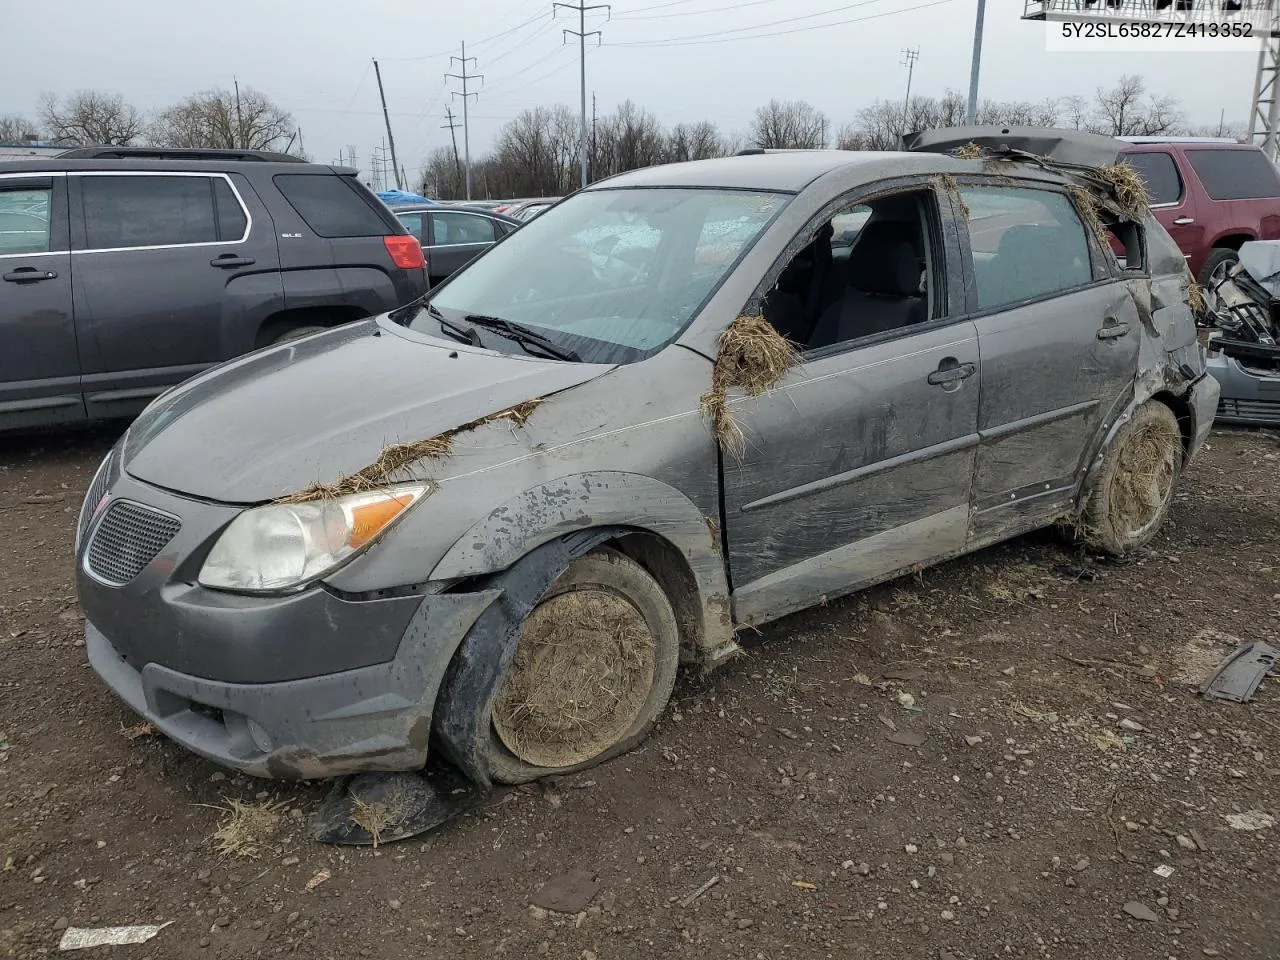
(152, 211)
(1159, 173)
(332, 206)
(1235, 174)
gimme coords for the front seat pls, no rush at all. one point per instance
(883, 287)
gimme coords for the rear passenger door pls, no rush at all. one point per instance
(165, 264)
(39, 369)
(1059, 333)
(1173, 204)
(456, 239)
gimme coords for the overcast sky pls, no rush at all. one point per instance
(313, 57)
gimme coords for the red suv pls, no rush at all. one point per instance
(1211, 195)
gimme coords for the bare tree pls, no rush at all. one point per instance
(214, 119)
(18, 129)
(789, 124)
(1076, 108)
(1125, 110)
(90, 118)
(694, 141)
(627, 139)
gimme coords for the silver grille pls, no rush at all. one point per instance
(126, 539)
(97, 487)
(1249, 409)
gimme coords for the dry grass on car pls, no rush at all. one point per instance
(753, 355)
(1145, 471)
(970, 151)
(1128, 189)
(374, 817)
(247, 828)
(393, 463)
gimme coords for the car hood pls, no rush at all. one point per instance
(279, 420)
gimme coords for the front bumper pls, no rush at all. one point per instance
(375, 717)
(1249, 398)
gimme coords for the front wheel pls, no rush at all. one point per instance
(1216, 265)
(1129, 495)
(594, 667)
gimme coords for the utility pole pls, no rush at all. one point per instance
(466, 132)
(594, 156)
(909, 58)
(971, 115)
(582, 33)
(302, 151)
(239, 137)
(452, 126)
(387, 119)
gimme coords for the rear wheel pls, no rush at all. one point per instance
(1216, 265)
(1129, 495)
(594, 666)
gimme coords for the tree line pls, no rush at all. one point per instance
(536, 154)
(247, 120)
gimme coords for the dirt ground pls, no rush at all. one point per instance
(989, 760)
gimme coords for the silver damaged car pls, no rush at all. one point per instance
(493, 524)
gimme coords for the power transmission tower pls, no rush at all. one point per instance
(465, 93)
(452, 126)
(1264, 116)
(386, 117)
(909, 58)
(582, 33)
(351, 156)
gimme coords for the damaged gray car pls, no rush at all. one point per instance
(489, 527)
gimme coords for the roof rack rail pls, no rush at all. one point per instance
(175, 153)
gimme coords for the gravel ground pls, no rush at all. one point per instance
(990, 759)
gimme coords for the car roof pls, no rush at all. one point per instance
(442, 208)
(786, 171)
(1148, 145)
(59, 165)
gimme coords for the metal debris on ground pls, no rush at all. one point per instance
(1239, 675)
(84, 938)
(1164, 870)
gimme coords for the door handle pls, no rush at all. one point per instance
(228, 260)
(1112, 329)
(30, 275)
(950, 373)
(1184, 221)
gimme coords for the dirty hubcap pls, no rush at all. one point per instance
(583, 669)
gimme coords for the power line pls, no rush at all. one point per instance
(582, 33)
(465, 94)
(692, 13)
(506, 82)
(693, 41)
(778, 23)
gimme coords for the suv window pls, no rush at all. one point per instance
(1026, 244)
(152, 211)
(232, 222)
(1235, 174)
(1159, 173)
(332, 206)
(453, 228)
(24, 219)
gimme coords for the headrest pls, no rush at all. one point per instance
(884, 261)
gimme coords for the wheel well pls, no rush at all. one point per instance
(1232, 241)
(1186, 420)
(669, 567)
(285, 320)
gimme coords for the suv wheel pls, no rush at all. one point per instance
(1216, 266)
(1129, 495)
(594, 667)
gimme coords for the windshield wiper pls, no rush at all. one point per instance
(524, 336)
(465, 334)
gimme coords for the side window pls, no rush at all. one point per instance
(874, 267)
(147, 211)
(414, 223)
(451, 228)
(1235, 174)
(24, 219)
(333, 206)
(1026, 244)
(1159, 173)
(232, 222)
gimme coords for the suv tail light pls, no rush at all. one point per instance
(406, 252)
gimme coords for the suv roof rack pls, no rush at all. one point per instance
(174, 153)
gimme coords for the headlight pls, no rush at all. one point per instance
(284, 545)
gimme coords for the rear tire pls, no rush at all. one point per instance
(1216, 265)
(297, 333)
(594, 667)
(1129, 495)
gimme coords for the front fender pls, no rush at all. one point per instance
(599, 499)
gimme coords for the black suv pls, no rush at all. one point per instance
(126, 271)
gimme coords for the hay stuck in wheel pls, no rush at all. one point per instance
(753, 355)
(1144, 480)
(583, 670)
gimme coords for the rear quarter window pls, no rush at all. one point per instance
(333, 206)
(1235, 174)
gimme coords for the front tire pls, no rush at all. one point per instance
(1129, 495)
(594, 667)
(1216, 265)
